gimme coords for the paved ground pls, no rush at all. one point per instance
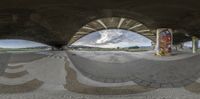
(25, 57)
(145, 72)
(54, 76)
(4, 59)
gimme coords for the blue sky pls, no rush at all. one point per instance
(112, 38)
(15, 43)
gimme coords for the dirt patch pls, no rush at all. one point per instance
(194, 87)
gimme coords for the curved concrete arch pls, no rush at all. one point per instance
(113, 23)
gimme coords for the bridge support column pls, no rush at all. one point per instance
(163, 41)
(195, 43)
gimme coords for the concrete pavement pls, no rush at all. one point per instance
(145, 72)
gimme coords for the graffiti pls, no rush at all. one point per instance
(165, 41)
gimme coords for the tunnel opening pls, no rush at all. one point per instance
(113, 33)
(113, 40)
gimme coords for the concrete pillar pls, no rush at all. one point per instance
(163, 41)
(195, 44)
(157, 48)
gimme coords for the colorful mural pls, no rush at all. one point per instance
(164, 40)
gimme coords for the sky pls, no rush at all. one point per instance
(16, 43)
(189, 44)
(112, 38)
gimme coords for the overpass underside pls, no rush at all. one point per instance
(56, 22)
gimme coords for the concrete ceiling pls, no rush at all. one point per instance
(54, 22)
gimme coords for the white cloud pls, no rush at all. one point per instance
(112, 38)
